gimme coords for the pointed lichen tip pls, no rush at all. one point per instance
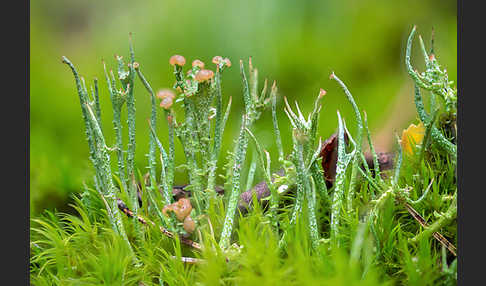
(322, 92)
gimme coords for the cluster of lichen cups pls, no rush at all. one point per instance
(201, 75)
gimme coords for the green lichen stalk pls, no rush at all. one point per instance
(220, 122)
(303, 158)
(100, 156)
(118, 98)
(436, 81)
(242, 144)
(131, 119)
(153, 143)
(376, 164)
(254, 105)
(359, 140)
(278, 138)
(338, 197)
(263, 156)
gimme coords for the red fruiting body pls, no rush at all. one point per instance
(166, 103)
(182, 208)
(204, 75)
(189, 224)
(198, 63)
(322, 92)
(163, 93)
(227, 62)
(167, 97)
(177, 60)
(217, 60)
(185, 206)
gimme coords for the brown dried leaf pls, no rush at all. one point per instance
(329, 155)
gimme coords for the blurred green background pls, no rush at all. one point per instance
(296, 43)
